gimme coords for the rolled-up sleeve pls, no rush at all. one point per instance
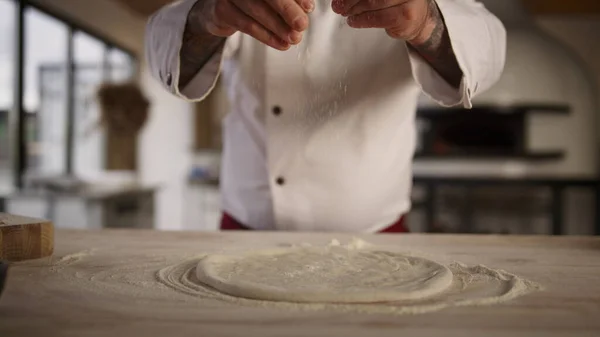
(478, 40)
(163, 41)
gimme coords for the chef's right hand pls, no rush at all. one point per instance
(276, 23)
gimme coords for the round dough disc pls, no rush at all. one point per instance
(319, 274)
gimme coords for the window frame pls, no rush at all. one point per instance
(17, 119)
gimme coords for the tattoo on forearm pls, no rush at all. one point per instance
(197, 48)
(437, 49)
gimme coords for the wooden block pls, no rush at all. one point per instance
(24, 238)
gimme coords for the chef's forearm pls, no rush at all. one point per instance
(197, 48)
(435, 47)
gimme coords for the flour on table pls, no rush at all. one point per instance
(115, 277)
(72, 258)
(69, 259)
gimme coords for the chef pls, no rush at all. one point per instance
(321, 132)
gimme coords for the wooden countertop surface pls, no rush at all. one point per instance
(41, 300)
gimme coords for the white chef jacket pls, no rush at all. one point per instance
(321, 137)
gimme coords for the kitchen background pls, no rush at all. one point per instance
(524, 161)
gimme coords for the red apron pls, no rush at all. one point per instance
(228, 223)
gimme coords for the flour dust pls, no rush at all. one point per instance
(471, 286)
(323, 81)
(113, 278)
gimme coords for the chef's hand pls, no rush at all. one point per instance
(402, 19)
(277, 23)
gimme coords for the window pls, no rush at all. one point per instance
(61, 66)
(7, 44)
(45, 92)
(120, 66)
(89, 69)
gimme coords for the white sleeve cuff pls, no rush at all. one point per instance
(202, 84)
(435, 86)
(164, 40)
(478, 41)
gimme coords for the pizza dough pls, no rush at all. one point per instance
(331, 274)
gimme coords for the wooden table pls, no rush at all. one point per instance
(39, 299)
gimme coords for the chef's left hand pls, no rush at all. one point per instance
(402, 19)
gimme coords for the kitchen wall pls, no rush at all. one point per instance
(166, 140)
(581, 34)
(558, 69)
(576, 133)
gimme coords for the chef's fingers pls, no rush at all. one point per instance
(268, 18)
(342, 6)
(307, 5)
(383, 18)
(291, 12)
(372, 5)
(247, 25)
